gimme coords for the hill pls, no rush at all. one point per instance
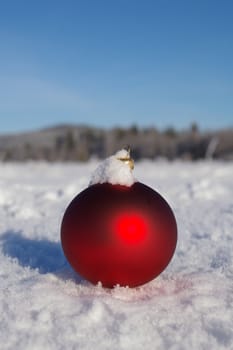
(80, 142)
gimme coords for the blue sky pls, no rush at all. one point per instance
(116, 62)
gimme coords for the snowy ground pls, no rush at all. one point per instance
(45, 305)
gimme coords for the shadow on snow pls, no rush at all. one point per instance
(42, 255)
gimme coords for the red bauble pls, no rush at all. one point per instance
(118, 234)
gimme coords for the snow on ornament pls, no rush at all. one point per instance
(118, 231)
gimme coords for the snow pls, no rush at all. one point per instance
(116, 169)
(45, 305)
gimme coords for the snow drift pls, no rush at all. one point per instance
(45, 305)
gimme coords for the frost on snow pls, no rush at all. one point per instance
(44, 305)
(115, 170)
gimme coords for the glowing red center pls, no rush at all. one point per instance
(131, 227)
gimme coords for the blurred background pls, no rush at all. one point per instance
(81, 79)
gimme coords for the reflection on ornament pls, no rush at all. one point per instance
(131, 228)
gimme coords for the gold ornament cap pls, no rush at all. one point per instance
(127, 159)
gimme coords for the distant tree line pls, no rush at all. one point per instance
(80, 143)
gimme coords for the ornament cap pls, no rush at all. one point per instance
(127, 159)
(116, 169)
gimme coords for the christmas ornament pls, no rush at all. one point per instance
(118, 231)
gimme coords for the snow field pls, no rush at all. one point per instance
(45, 305)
